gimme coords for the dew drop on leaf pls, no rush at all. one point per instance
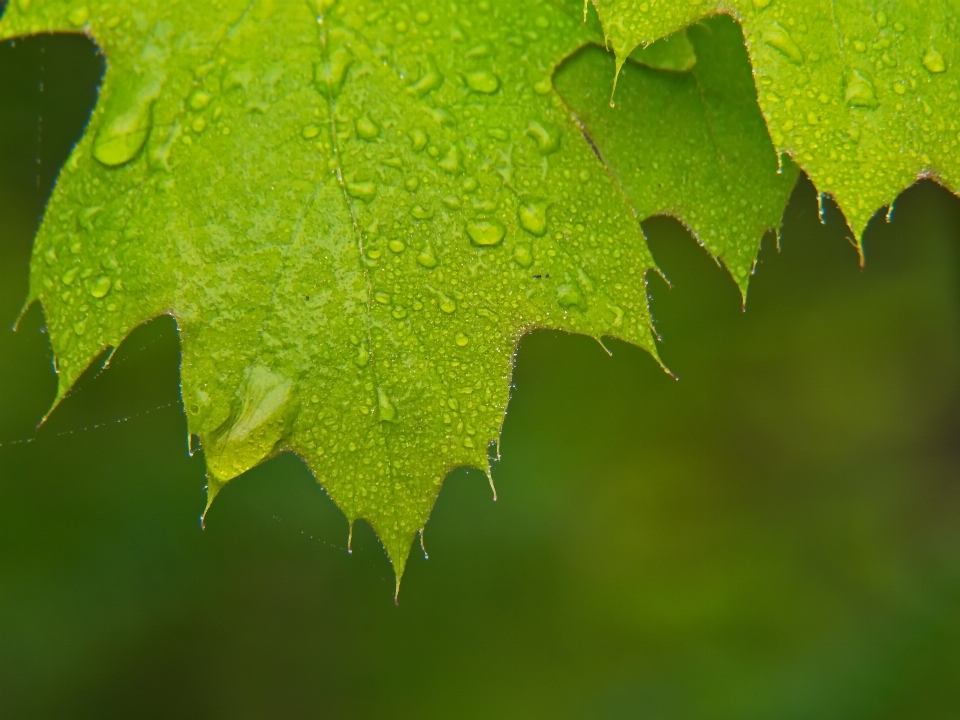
(776, 36)
(486, 233)
(933, 61)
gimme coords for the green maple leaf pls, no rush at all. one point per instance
(354, 211)
(688, 144)
(862, 97)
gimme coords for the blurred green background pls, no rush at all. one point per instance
(775, 533)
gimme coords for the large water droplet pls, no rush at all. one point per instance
(447, 305)
(451, 161)
(568, 296)
(533, 218)
(430, 78)
(126, 126)
(330, 75)
(101, 286)
(486, 233)
(933, 61)
(482, 81)
(776, 36)
(426, 258)
(367, 129)
(859, 92)
(547, 139)
(365, 191)
(523, 255)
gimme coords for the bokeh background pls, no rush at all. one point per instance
(775, 532)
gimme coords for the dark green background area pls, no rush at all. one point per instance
(775, 533)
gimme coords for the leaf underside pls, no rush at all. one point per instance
(355, 210)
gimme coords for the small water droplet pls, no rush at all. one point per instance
(776, 36)
(422, 17)
(933, 61)
(421, 213)
(411, 184)
(533, 218)
(79, 16)
(396, 246)
(309, 132)
(447, 305)
(399, 313)
(486, 233)
(101, 287)
(462, 340)
(482, 81)
(80, 327)
(199, 124)
(761, 4)
(469, 184)
(382, 298)
(50, 255)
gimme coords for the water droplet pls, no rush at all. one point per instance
(470, 184)
(362, 357)
(482, 81)
(199, 124)
(382, 298)
(426, 258)
(421, 213)
(776, 36)
(547, 140)
(399, 313)
(365, 191)
(533, 218)
(422, 17)
(329, 75)
(419, 139)
(447, 305)
(586, 282)
(309, 132)
(451, 161)
(467, 442)
(101, 287)
(568, 296)
(486, 233)
(79, 16)
(462, 340)
(69, 276)
(50, 255)
(430, 78)
(933, 61)
(859, 92)
(396, 246)
(523, 255)
(126, 126)
(367, 129)
(411, 184)
(761, 4)
(199, 100)
(80, 327)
